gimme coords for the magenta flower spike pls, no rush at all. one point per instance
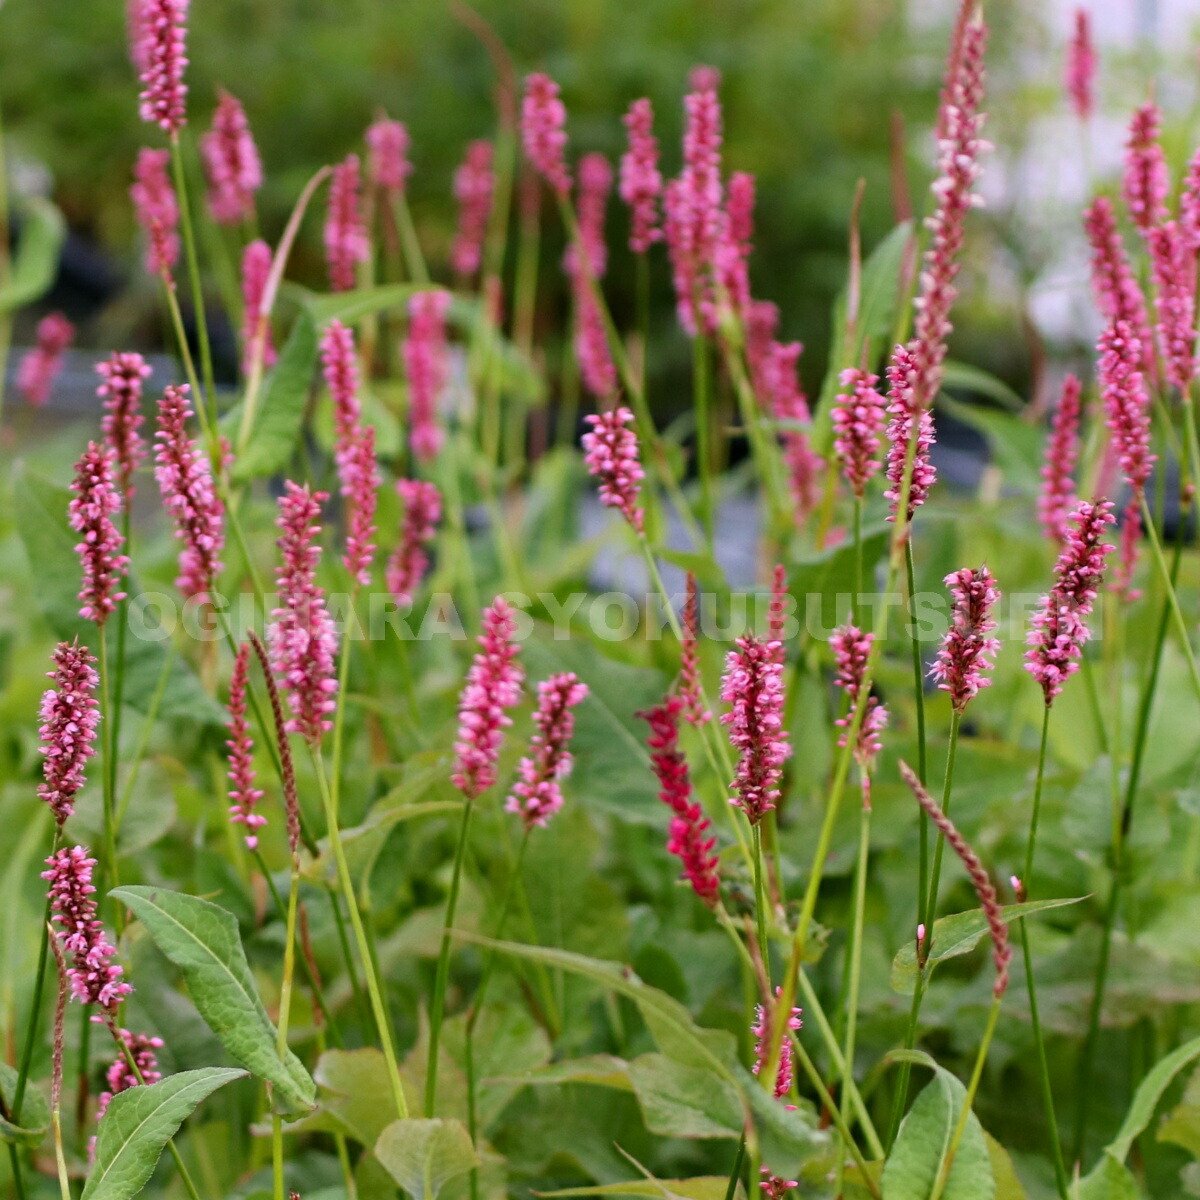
(537, 795)
(387, 156)
(185, 479)
(1057, 497)
(968, 649)
(94, 504)
(1059, 629)
(763, 1031)
(69, 715)
(1114, 287)
(244, 793)
(120, 1077)
(611, 455)
(157, 211)
(302, 635)
(1189, 203)
(1126, 402)
(474, 188)
(906, 416)
(1081, 66)
(354, 450)
(858, 421)
(346, 241)
(1127, 555)
(543, 131)
(256, 266)
(93, 976)
(1146, 182)
(159, 52)
(595, 183)
(688, 837)
(851, 649)
(1173, 260)
(231, 163)
(690, 691)
(42, 365)
(426, 364)
(732, 263)
(493, 686)
(410, 560)
(596, 367)
(641, 182)
(121, 391)
(753, 688)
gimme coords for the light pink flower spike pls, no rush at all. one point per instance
(157, 210)
(595, 182)
(493, 686)
(410, 560)
(162, 30)
(256, 266)
(763, 1037)
(1114, 288)
(387, 163)
(474, 186)
(537, 795)
(43, 364)
(231, 163)
(94, 977)
(123, 375)
(851, 649)
(69, 715)
(858, 422)
(1081, 66)
(909, 422)
(94, 504)
(968, 649)
(611, 454)
(185, 480)
(346, 242)
(426, 363)
(1126, 402)
(1173, 260)
(243, 791)
(753, 688)
(1146, 181)
(1057, 497)
(120, 1077)
(641, 181)
(543, 134)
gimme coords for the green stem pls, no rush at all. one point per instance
(760, 899)
(437, 1011)
(108, 774)
(285, 1008)
(1181, 626)
(643, 316)
(414, 260)
(382, 1022)
(701, 387)
(929, 911)
(64, 1182)
(919, 701)
(735, 1172)
(5, 318)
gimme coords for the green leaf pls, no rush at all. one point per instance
(421, 1155)
(601, 1070)
(41, 516)
(1108, 1180)
(1008, 1186)
(202, 940)
(703, 1187)
(35, 1112)
(919, 1154)
(354, 1097)
(832, 572)
(973, 379)
(959, 934)
(281, 407)
(1146, 1098)
(138, 1124)
(683, 1101)
(35, 262)
(1181, 1126)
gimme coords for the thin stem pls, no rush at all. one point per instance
(285, 1008)
(1181, 625)
(919, 701)
(414, 260)
(643, 316)
(31, 1031)
(701, 399)
(929, 911)
(64, 1182)
(5, 317)
(438, 1009)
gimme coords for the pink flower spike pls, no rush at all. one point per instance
(858, 421)
(641, 181)
(731, 264)
(231, 163)
(160, 55)
(543, 132)
(302, 635)
(95, 502)
(426, 364)
(410, 560)
(595, 182)
(1126, 402)
(688, 836)
(596, 367)
(1116, 291)
(1059, 630)
(1146, 182)
(69, 715)
(694, 708)
(1189, 204)
(967, 649)
(1062, 453)
(121, 391)
(851, 649)
(611, 454)
(1081, 66)
(256, 266)
(42, 365)
(909, 422)
(120, 1077)
(777, 609)
(753, 688)
(474, 187)
(157, 210)
(94, 977)
(493, 686)
(537, 796)
(763, 1031)
(1173, 261)
(346, 241)
(1131, 533)
(243, 793)
(185, 479)
(387, 161)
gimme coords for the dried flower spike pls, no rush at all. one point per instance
(537, 795)
(690, 690)
(69, 715)
(243, 791)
